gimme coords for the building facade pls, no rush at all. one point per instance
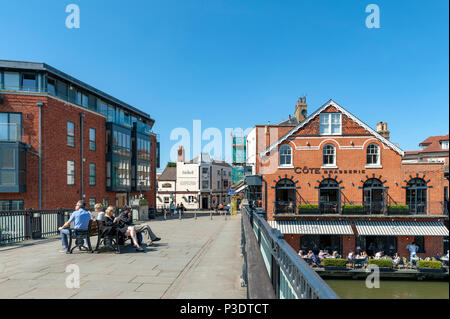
(201, 183)
(62, 140)
(332, 182)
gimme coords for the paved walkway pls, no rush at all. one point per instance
(195, 259)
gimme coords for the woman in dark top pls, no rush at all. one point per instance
(112, 223)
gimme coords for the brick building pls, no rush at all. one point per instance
(329, 181)
(62, 140)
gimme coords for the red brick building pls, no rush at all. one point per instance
(332, 182)
(62, 140)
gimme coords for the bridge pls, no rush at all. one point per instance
(202, 256)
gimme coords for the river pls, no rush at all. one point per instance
(390, 289)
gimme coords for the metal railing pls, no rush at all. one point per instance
(291, 277)
(360, 208)
(17, 226)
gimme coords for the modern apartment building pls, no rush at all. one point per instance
(62, 140)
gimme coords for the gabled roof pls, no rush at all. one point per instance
(343, 111)
(433, 144)
(169, 174)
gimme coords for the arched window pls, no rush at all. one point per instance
(373, 154)
(416, 196)
(285, 194)
(374, 195)
(329, 196)
(285, 155)
(329, 155)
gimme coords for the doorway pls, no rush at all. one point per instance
(205, 203)
(121, 200)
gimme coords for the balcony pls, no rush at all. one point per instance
(12, 167)
(376, 208)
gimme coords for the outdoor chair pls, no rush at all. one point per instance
(80, 236)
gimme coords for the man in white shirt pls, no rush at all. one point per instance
(413, 249)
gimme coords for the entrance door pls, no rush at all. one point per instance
(204, 202)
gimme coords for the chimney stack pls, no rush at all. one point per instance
(181, 154)
(382, 130)
(301, 109)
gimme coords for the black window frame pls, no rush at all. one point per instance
(70, 137)
(92, 142)
(92, 177)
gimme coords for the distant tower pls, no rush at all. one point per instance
(301, 109)
(181, 154)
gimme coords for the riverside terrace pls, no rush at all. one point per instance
(196, 258)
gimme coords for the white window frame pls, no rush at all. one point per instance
(334, 156)
(445, 145)
(378, 163)
(283, 153)
(329, 123)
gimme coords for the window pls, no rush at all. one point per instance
(11, 205)
(445, 145)
(205, 184)
(285, 155)
(29, 82)
(420, 241)
(329, 155)
(8, 175)
(191, 199)
(70, 173)
(108, 174)
(143, 174)
(330, 124)
(70, 134)
(218, 184)
(11, 81)
(92, 203)
(92, 139)
(373, 154)
(416, 196)
(51, 86)
(166, 200)
(92, 174)
(10, 127)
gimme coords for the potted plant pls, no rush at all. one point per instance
(334, 264)
(383, 264)
(308, 208)
(429, 266)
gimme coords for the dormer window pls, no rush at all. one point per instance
(330, 124)
(444, 145)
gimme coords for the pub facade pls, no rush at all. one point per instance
(332, 182)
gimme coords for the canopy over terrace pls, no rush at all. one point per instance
(389, 228)
(308, 227)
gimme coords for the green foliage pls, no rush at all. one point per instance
(308, 208)
(335, 262)
(352, 208)
(398, 208)
(381, 262)
(171, 164)
(143, 202)
(429, 264)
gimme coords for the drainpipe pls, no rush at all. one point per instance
(82, 115)
(40, 105)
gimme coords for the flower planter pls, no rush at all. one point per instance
(333, 268)
(431, 270)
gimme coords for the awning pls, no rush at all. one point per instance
(307, 227)
(240, 189)
(373, 228)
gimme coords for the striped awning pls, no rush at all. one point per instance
(373, 228)
(308, 227)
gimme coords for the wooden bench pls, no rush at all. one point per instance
(112, 240)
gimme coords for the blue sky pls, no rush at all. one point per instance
(240, 63)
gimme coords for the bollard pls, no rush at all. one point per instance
(179, 214)
(225, 211)
(165, 215)
(210, 214)
(195, 214)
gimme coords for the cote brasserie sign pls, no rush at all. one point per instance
(320, 171)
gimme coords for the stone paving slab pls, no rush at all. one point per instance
(195, 259)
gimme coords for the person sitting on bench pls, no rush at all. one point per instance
(145, 230)
(80, 217)
(120, 224)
